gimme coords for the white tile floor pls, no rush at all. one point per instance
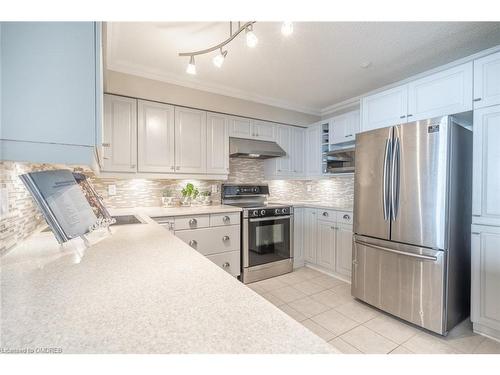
(325, 306)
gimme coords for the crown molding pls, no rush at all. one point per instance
(349, 103)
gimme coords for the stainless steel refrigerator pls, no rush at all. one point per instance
(412, 217)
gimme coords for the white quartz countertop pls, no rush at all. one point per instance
(141, 290)
(316, 204)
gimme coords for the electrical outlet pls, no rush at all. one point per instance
(309, 188)
(215, 189)
(112, 190)
(4, 202)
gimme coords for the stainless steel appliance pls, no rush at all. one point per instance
(267, 232)
(412, 216)
(340, 160)
(254, 149)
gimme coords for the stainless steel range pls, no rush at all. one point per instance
(267, 232)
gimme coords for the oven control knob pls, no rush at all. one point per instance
(277, 211)
(283, 211)
(263, 212)
(255, 213)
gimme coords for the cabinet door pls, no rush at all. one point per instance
(385, 108)
(326, 244)
(443, 93)
(49, 74)
(264, 130)
(119, 134)
(240, 127)
(487, 81)
(190, 140)
(485, 278)
(313, 151)
(298, 237)
(343, 250)
(337, 129)
(284, 139)
(486, 162)
(352, 127)
(155, 137)
(217, 144)
(310, 235)
(297, 151)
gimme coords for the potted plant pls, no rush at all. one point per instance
(189, 192)
(167, 198)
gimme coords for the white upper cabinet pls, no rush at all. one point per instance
(263, 130)
(297, 151)
(119, 147)
(217, 144)
(385, 108)
(487, 81)
(190, 140)
(343, 128)
(486, 166)
(442, 93)
(313, 151)
(240, 127)
(156, 137)
(284, 139)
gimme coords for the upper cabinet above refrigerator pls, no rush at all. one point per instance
(487, 81)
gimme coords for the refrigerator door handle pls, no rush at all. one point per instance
(395, 179)
(418, 256)
(385, 177)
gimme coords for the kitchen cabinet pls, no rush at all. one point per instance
(343, 128)
(343, 250)
(485, 280)
(297, 151)
(326, 233)
(190, 140)
(486, 162)
(298, 237)
(291, 140)
(241, 127)
(217, 144)
(385, 108)
(310, 235)
(51, 91)
(264, 130)
(313, 151)
(284, 139)
(443, 93)
(487, 81)
(156, 137)
(119, 141)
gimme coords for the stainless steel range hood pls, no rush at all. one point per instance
(253, 149)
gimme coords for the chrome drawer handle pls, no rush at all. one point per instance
(226, 265)
(477, 99)
(226, 219)
(347, 217)
(325, 213)
(348, 135)
(402, 116)
(193, 222)
(106, 145)
(193, 243)
(225, 238)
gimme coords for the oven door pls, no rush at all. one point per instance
(268, 239)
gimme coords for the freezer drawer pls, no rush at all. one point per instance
(403, 280)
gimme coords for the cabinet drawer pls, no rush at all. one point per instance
(229, 261)
(327, 215)
(230, 218)
(191, 222)
(344, 217)
(212, 240)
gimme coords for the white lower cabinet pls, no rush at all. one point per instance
(310, 234)
(326, 245)
(485, 280)
(217, 236)
(327, 241)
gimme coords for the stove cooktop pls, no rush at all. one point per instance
(250, 206)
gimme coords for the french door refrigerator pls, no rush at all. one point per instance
(412, 217)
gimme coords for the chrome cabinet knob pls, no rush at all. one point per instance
(178, 168)
(402, 116)
(477, 99)
(226, 219)
(193, 222)
(225, 238)
(193, 243)
(325, 213)
(172, 167)
(346, 216)
(132, 166)
(226, 265)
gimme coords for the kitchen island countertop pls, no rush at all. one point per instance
(141, 290)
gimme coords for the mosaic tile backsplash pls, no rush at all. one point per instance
(24, 218)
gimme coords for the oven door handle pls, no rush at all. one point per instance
(269, 218)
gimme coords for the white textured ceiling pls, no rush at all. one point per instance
(317, 66)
